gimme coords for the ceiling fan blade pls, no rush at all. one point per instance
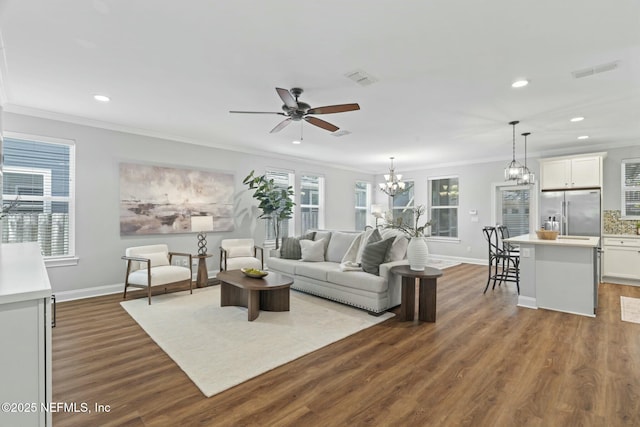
(258, 112)
(286, 97)
(281, 125)
(330, 109)
(322, 124)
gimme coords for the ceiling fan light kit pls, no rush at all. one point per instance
(295, 110)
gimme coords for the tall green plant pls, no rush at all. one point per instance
(276, 203)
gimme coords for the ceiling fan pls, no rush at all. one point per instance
(295, 111)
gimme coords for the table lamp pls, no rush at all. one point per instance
(202, 224)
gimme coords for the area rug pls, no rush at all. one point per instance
(441, 264)
(630, 309)
(218, 348)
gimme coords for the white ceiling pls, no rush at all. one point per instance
(444, 71)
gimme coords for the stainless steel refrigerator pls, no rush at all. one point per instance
(577, 211)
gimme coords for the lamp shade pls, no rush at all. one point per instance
(202, 223)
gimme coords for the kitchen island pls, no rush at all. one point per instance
(560, 274)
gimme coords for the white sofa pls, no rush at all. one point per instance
(374, 293)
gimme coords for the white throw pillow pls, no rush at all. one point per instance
(157, 259)
(312, 251)
(239, 251)
(363, 243)
(398, 250)
(338, 245)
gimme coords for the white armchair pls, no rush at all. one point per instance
(240, 253)
(150, 265)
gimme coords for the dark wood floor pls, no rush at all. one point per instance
(485, 362)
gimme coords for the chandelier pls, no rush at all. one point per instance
(526, 176)
(513, 170)
(393, 185)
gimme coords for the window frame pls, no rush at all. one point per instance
(366, 207)
(624, 189)
(430, 206)
(321, 200)
(71, 257)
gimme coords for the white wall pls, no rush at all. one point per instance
(98, 153)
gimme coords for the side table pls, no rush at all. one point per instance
(203, 274)
(427, 295)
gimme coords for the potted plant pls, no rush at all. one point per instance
(417, 250)
(276, 202)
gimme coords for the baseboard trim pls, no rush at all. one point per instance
(462, 260)
(527, 302)
(98, 291)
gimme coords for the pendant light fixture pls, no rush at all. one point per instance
(526, 176)
(514, 169)
(393, 185)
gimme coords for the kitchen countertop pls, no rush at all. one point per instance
(575, 241)
(23, 276)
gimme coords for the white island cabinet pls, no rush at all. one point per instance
(25, 334)
(560, 274)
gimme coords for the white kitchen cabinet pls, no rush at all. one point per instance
(621, 258)
(566, 173)
(25, 334)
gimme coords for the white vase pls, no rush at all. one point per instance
(417, 253)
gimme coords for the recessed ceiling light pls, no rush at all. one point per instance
(577, 119)
(520, 83)
(101, 98)
(296, 142)
(583, 137)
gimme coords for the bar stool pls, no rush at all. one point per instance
(504, 265)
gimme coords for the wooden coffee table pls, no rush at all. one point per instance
(270, 293)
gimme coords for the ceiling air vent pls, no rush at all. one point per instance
(586, 72)
(341, 133)
(362, 78)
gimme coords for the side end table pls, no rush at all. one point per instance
(203, 274)
(427, 295)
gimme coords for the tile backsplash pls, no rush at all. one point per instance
(614, 225)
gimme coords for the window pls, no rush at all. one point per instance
(311, 202)
(630, 189)
(363, 200)
(444, 207)
(513, 209)
(402, 205)
(282, 179)
(39, 172)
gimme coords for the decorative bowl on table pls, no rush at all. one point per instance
(547, 234)
(254, 272)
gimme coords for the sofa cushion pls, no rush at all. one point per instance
(291, 246)
(160, 275)
(312, 251)
(316, 270)
(239, 251)
(287, 266)
(338, 245)
(374, 255)
(358, 280)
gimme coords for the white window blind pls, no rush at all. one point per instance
(39, 173)
(402, 205)
(311, 202)
(514, 207)
(630, 189)
(444, 207)
(362, 197)
(282, 179)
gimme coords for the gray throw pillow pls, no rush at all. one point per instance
(290, 248)
(374, 255)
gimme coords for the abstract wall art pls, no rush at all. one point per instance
(162, 200)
